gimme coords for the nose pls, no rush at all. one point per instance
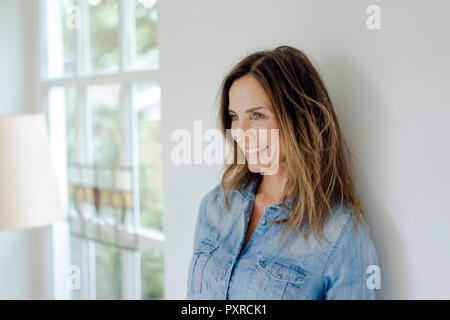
(248, 136)
(245, 125)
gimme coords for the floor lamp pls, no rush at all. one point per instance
(29, 193)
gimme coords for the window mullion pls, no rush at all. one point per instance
(89, 246)
(82, 41)
(126, 34)
(131, 273)
(82, 51)
(130, 260)
(60, 229)
(134, 139)
(86, 247)
(43, 39)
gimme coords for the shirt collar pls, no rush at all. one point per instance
(249, 190)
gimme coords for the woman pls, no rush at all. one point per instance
(295, 182)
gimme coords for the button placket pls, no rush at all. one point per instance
(263, 224)
(259, 230)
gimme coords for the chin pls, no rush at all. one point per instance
(257, 168)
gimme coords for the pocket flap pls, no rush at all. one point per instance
(282, 270)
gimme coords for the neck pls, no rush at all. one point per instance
(272, 186)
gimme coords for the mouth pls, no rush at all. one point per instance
(255, 151)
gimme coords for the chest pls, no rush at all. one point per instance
(263, 269)
(255, 217)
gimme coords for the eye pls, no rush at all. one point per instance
(233, 117)
(258, 115)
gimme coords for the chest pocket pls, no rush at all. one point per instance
(196, 276)
(277, 279)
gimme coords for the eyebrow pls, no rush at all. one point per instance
(248, 110)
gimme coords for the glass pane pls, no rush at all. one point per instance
(107, 272)
(107, 133)
(147, 53)
(74, 122)
(104, 35)
(146, 101)
(75, 259)
(107, 141)
(152, 266)
(62, 101)
(62, 20)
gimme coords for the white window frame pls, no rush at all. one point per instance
(125, 77)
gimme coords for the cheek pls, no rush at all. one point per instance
(273, 135)
(234, 126)
(275, 141)
(280, 149)
(234, 134)
(232, 131)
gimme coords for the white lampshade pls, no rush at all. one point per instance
(29, 194)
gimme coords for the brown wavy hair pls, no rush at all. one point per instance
(317, 157)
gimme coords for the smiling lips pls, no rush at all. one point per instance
(254, 151)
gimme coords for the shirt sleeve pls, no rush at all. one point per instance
(197, 236)
(352, 271)
(199, 225)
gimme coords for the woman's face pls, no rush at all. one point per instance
(253, 125)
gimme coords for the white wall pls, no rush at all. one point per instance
(25, 267)
(389, 89)
(17, 56)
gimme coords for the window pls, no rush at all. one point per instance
(100, 89)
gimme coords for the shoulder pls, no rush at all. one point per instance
(353, 230)
(353, 256)
(214, 195)
(342, 225)
(213, 216)
(214, 199)
(353, 244)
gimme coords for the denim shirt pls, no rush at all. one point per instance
(269, 269)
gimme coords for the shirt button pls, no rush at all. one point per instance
(279, 272)
(263, 221)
